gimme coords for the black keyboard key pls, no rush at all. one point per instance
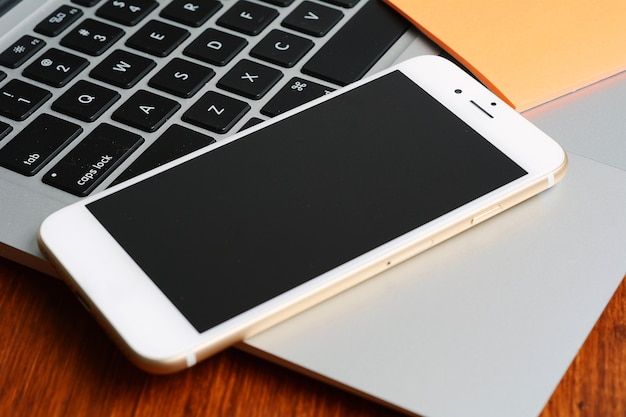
(296, 92)
(250, 79)
(37, 144)
(58, 21)
(356, 47)
(282, 48)
(191, 14)
(86, 3)
(216, 112)
(247, 17)
(55, 67)
(182, 78)
(18, 99)
(157, 38)
(5, 129)
(313, 19)
(93, 159)
(126, 12)
(18, 53)
(146, 111)
(281, 3)
(215, 47)
(175, 142)
(85, 101)
(342, 3)
(92, 37)
(252, 122)
(122, 69)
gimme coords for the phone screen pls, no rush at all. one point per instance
(261, 215)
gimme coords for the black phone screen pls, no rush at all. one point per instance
(258, 216)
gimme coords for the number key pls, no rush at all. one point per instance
(127, 12)
(18, 99)
(92, 37)
(55, 67)
(58, 21)
(86, 3)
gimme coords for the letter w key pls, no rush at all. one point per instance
(122, 69)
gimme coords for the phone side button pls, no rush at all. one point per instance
(486, 214)
(410, 252)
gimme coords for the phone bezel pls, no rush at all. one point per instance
(158, 338)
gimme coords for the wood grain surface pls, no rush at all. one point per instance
(55, 361)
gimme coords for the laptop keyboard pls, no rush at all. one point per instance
(100, 91)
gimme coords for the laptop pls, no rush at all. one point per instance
(129, 85)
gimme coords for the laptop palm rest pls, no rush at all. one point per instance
(485, 324)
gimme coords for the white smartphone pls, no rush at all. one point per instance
(201, 253)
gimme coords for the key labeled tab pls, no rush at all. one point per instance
(37, 144)
(93, 159)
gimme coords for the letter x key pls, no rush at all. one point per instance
(250, 79)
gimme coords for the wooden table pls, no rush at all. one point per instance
(55, 361)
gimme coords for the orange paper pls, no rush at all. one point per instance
(531, 51)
